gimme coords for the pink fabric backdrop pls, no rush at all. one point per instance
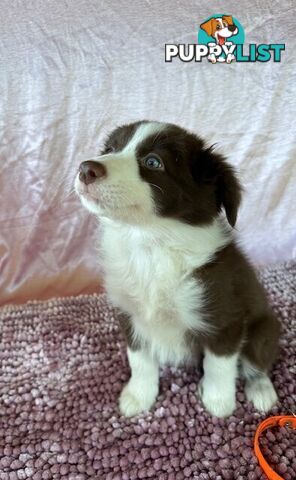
(72, 70)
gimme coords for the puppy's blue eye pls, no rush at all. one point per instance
(153, 163)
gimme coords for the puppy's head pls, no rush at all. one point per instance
(220, 28)
(150, 170)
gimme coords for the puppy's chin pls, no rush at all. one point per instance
(88, 200)
(91, 204)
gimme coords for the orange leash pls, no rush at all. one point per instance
(288, 421)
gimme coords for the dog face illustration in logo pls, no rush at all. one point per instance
(220, 29)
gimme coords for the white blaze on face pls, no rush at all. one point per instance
(223, 33)
(144, 131)
(123, 193)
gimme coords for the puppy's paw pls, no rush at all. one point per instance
(230, 58)
(261, 392)
(133, 401)
(212, 58)
(219, 406)
(218, 403)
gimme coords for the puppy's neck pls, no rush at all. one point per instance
(199, 242)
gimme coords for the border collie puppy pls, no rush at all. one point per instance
(172, 269)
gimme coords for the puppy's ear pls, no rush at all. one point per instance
(228, 19)
(212, 169)
(208, 27)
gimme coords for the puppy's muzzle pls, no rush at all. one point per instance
(91, 171)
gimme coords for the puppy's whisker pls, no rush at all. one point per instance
(68, 194)
(157, 186)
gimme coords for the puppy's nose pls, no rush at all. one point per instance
(91, 171)
(232, 28)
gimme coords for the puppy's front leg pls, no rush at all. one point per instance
(140, 392)
(217, 387)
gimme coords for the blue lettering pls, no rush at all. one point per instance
(263, 53)
(239, 54)
(277, 48)
(253, 48)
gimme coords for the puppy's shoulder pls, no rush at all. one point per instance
(230, 277)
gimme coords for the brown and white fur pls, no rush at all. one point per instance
(221, 29)
(172, 268)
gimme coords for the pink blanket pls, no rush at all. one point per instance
(63, 364)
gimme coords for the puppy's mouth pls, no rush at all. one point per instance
(221, 40)
(83, 191)
(89, 196)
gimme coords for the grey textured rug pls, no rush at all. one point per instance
(63, 365)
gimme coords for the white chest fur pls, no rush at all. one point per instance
(149, 275)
